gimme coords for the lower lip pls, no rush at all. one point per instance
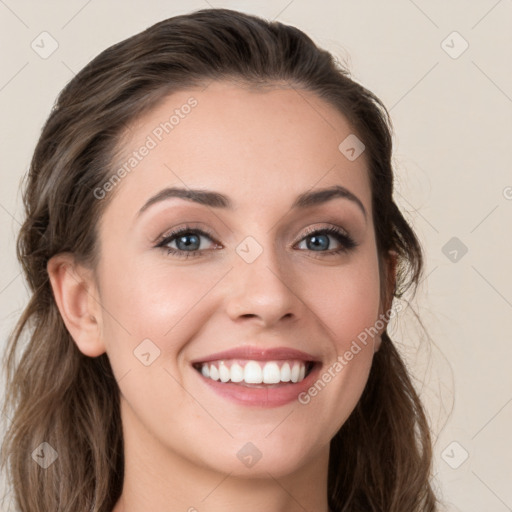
(268, 395)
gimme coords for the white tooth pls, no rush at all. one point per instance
(295, 372)
(214, 373)
(302, 372)
(205, 370)
(252, 373)
(237, 373)
(271, 373)
(286, 373)
(223, 372)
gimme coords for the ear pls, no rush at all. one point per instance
(77, 298)
(387, 302)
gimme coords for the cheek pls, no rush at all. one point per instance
(346, 298)
(347, 302)
(152, 301)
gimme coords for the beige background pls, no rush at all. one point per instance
(452, 116)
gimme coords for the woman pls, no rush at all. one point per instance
(213, 250)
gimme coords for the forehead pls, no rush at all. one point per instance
(264, 145)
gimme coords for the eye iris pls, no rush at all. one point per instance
(187, 244)
(316, 243)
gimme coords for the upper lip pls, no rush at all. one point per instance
(259, 354)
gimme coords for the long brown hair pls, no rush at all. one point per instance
(381, 458)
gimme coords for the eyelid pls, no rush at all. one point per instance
(343, 238)
(315, 228)
(188, 226)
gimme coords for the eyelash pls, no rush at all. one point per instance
(347, 243)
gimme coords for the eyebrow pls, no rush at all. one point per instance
(218, 200)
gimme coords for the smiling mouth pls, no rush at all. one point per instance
(254, 373)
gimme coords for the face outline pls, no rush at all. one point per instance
(262, 150)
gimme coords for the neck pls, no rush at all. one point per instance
(156, 478)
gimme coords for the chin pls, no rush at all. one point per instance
(261, 457)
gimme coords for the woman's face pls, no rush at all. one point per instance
(253, 287)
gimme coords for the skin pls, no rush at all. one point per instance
(262, 150)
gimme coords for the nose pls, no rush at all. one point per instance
(263, 291)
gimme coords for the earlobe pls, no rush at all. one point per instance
(77, 299)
